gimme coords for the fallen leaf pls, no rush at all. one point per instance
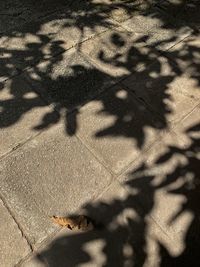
(80, 222)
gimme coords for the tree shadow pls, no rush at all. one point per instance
(66, 79)
(125, 242)
(68, 89)
(189, 175)
(81, 15)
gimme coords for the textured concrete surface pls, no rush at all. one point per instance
(162, 196)
(13, 245)
(45, 38)
(72, 80)
(120, 151)
(29, 183)
(17, 98)
(154, 80)
(133, 52)
(100, 115)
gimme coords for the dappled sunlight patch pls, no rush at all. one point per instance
(122, 94)
(95, 251)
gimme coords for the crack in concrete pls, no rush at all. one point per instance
(17, 223)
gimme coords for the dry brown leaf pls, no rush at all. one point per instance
(80, 222)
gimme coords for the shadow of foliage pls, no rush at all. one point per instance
(23, 47)
(41, 52)
(125, 242)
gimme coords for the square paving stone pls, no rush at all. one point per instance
(50, 175)
(70, 248)
(158, 29)
(26, 12)
(13, 245)
(189, 86)
(126, 237)
(146, 22)
(126, 221)
(21, 112)
(119, 52)
(163, 38)
(164, 184)
(186, 56)
(117, 128)
(148, 163)
(147, 235)
(123, 11)
(45, 38)
(120, 10)
(185, 12)
(189, 128)
(161, 87)
(68, 80)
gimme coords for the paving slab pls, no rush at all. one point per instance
(68, 80)
(22, 12)
(185, 12)
(42, 34)
(70, 248)
(146, 165)
(121, 12)
(165, 212)
(188, 129)
(145, 129)
(52, 173)
(13, 245)
(158, 30)
(45, 38)
(21, 112)
(185, 55)
(165, 38)
(144, 234)
(189, 86)
(166, 180)
(162, 87)
(126, 237)
(119, 52)
(147, 236)
(146, 22)
(116, 127)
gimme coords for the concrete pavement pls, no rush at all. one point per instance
(99, 114)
